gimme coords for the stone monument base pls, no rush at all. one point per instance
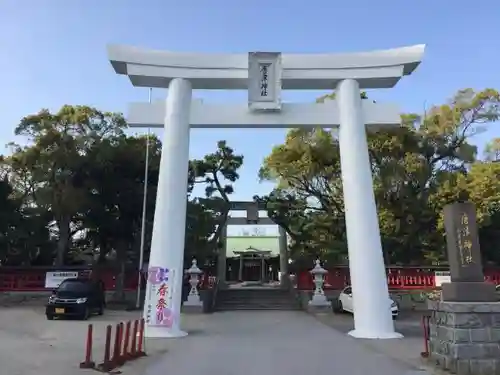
(462, 291)
(192, 309)
(315, 309)
(319, 303)
(464, 337)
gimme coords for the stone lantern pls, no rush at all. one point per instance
(194, 278)
(318, 297)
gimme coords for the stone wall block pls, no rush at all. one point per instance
(465, 338)
(445, 334)
(480, 335)
(462, 366)
(495, 320)
(461, 335)
(440, 347)
(432, 330)
(468, 321)
(495, 334)
(475, 350)
(484, 367)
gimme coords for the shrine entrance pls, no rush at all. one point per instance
(252, 265)
(256, 257)
(265, 75)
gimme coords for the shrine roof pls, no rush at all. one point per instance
(252, 244)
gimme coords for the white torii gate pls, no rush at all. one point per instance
(264, 75)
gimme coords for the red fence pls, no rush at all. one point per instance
(397, 278)
(33, 279)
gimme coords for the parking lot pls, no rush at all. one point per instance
(30, 344)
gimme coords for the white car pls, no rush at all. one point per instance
(344, 303)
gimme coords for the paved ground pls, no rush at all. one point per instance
(29, 344)
(251, 343)
(406, 351)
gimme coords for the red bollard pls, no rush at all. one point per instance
(106, 364)
(140, 349)
(126, 353)
(117, 354)
(133, 349)
(116, 346)
(426, 328)
(88, 350)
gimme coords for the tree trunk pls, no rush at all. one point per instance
(120, 282)
(63, 224)
(99, 264)
(121, 258)
(103, 249)
(136, 246)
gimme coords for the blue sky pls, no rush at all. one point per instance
(53, 52)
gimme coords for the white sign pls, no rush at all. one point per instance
(441, 277)
(54, 279)
(264, 81)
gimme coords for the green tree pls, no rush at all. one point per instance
(492, 150)
(216, 172)
(307, 202)
(112, 212)
(24, 235)
(52, 161)
(412, 167)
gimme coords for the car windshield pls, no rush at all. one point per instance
(74, 286)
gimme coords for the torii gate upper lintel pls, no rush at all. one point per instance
(265, 75)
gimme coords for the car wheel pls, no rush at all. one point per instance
(86, 314)
(340, 307)
(50, 317)
(394, 317)
(335, 304)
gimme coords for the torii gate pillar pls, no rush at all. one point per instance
(265, 75)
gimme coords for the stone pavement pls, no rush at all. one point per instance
(274, 342)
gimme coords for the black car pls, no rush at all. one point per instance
(77, 298)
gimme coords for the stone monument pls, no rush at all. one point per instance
(464, 256)
(465, 324)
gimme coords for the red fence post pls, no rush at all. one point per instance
(88, 350)
(119, 355)
(140, 349)
(133, 350)
(106, 364)
(116, 347)
(126, 353)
